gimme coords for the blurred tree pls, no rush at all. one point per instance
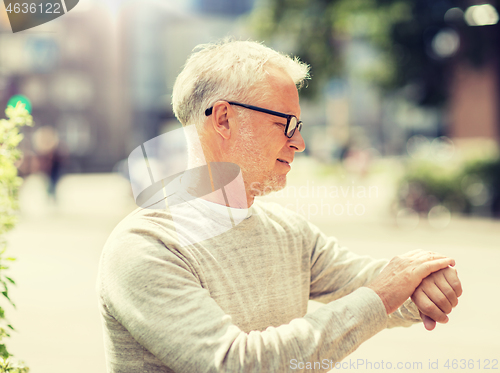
(9, 186)
(416, 39)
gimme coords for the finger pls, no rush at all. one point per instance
(451, 276)
(428, 322)
(427, 307)
(433, 265)
(444, 286)
(429, 256)
(437, 295)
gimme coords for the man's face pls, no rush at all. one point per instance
(261, 147)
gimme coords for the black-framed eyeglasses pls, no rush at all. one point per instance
(292, 123)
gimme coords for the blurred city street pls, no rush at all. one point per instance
(401, 120)
(58, 249)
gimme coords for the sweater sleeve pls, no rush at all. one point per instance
(152, 291)
(337, 272)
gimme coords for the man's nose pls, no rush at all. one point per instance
(297, 142)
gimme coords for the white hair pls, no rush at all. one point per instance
(228, 70)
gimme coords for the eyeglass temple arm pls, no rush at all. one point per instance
(208, 112)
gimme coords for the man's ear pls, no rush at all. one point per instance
(222, 118)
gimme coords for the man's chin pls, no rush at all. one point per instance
(272, 184)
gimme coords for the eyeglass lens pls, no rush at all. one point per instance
(291, 127)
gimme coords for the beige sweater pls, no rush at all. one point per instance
(235, 302)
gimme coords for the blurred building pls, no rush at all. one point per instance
(160, 38)
(102, 75)
(474, 62)
(68, 70)
(223, 7)
(473, 110)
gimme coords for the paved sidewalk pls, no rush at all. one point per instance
(58, 249)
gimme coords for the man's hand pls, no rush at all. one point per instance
(403, 274)
(436, 296)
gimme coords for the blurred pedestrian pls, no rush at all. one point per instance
(50, 156)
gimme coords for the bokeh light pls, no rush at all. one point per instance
(439, 217)
(481, 15)
(407, 218)
(454, 15)
(418, 146)
(22, 99)
(446, 43)
(442, 148)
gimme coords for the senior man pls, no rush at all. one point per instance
(235, 299)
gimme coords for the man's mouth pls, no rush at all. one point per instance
(283, 161)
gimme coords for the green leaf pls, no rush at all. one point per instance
(6, 295)
(3, 351)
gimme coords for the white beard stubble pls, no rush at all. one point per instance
(257, 181)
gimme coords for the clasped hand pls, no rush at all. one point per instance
(429, 278)
(437, 295)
